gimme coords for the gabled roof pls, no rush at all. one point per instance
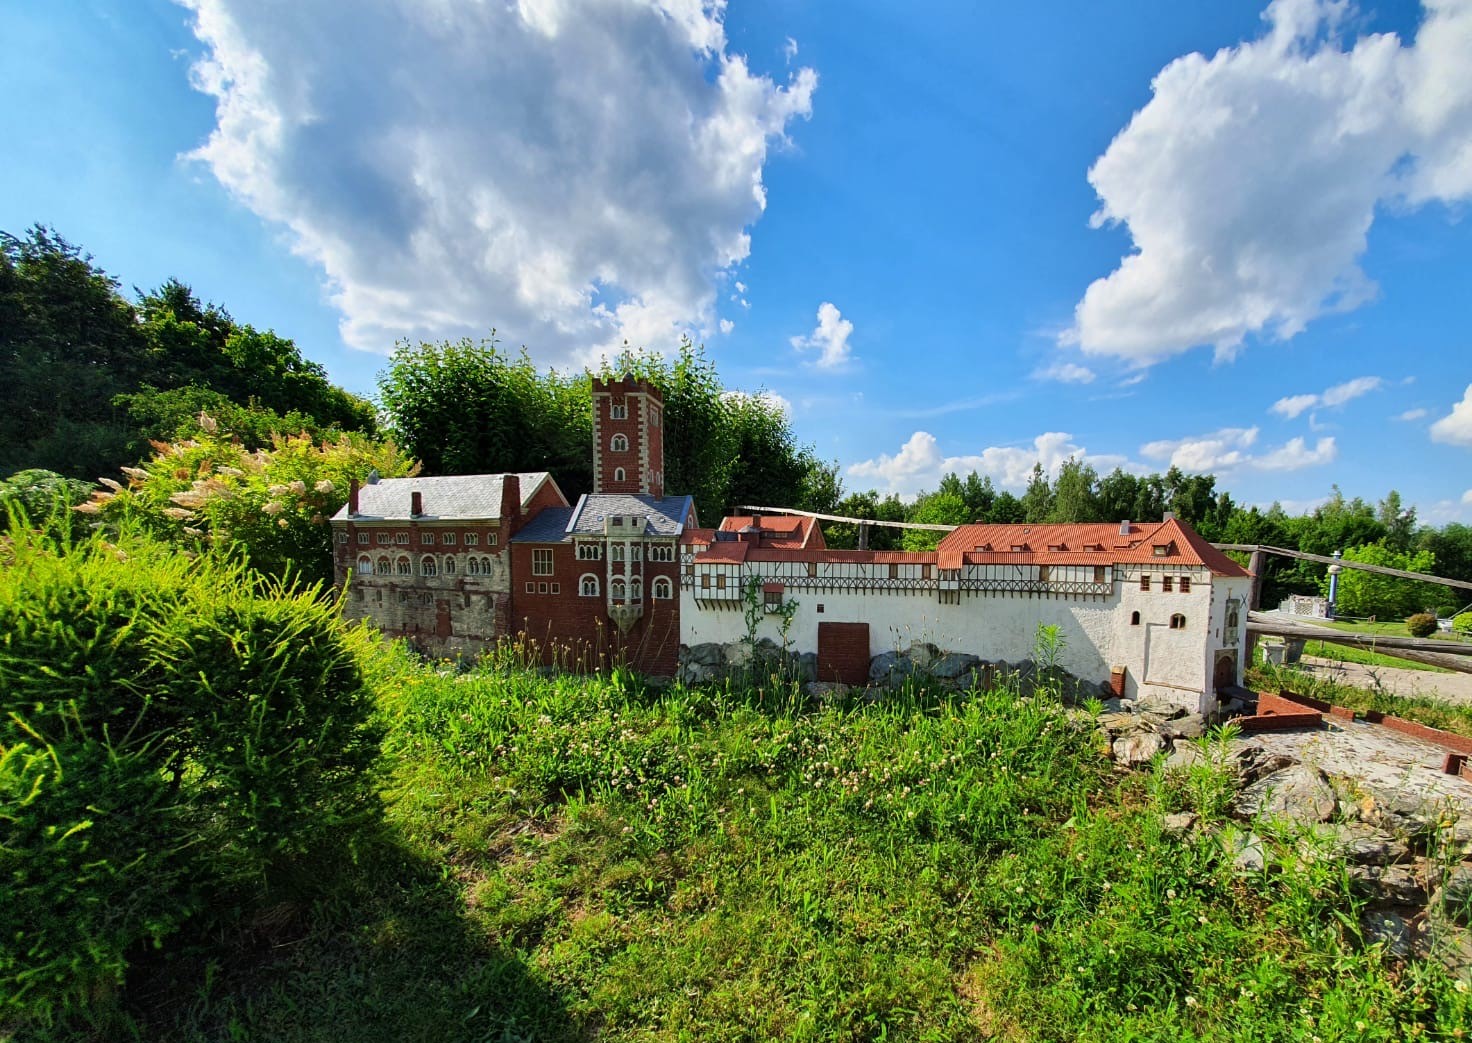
(460, 497)
(787, 531)
(1088, 543)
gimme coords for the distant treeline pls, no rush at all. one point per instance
(88, 378)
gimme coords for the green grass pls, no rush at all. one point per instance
(1350, 654)
(569, 858)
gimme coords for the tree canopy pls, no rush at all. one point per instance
(87, 377)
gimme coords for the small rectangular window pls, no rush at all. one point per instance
(531, 588)
(705, 581)
(342, 536)
(557, 588)
(541, 588)
(384, 537)
(401, 538)
(542, 561)
(426, 538)
(449, 539)
(1099, 574)
(1185, 584)
(721, 581)
(1165, 584)
(472, 539)
(1145, 581)
(363, 538)
(492, 539)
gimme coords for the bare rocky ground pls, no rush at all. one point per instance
(1451, 688)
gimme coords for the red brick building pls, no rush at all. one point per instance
(456, 563)
(598, 582)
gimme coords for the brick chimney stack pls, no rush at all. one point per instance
(416, 504)
(510, 505)
(353, 498)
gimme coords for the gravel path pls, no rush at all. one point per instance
(1451, 688)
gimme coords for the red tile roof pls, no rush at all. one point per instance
(789, 531)
(1088, 543)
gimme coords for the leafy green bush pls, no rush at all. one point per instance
(174, 738)
(1462, 623)
(271, 504)
(1422, 624)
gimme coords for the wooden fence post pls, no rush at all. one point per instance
(1249, 639)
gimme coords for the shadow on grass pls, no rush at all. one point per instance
(388, 955)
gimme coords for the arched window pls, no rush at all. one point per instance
(618, 474)
(1178, 622)
(404, 568)
(485, 567)
(384, 568)
(588, 585)
(616, 590)
(616, 552)
(472, 566)
(449, 564)
(365, 565)
(662, 588)
(1134, 619)
(636, 589)
(426, 566)
(618, 444)
(1232, 618)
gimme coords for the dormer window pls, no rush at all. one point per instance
(1163, 550)
(1055, 547)
(1018, 548)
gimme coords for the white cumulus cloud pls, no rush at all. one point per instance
(1249, 181)
(575, 175)
(920, 465)
(829, 338)
(1337, 395)
(1234, 448)
(1467, 496)
(1413, 414)
(1456, 427)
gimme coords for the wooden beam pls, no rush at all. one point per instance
(847, 520)
(1382, 570)
(1280, 626)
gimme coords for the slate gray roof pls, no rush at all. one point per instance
(549, 526)
(663, 517)
(461, 497)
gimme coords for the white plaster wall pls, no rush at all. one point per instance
(1171, 664)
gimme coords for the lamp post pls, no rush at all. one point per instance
(1334, 571)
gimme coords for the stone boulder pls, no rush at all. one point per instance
(1299, 795)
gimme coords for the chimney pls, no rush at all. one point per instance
(1168, 516)
(1124, 527)
(510, 505)
(353, 498)
(416, 504)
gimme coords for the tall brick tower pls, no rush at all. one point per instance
(628, 438)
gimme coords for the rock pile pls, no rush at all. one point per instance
(1406, 855)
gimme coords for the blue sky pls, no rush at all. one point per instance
(950, 237)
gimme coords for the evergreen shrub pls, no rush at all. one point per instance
(177, 739)
(1422, 624)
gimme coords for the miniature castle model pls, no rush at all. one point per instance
(626, 575)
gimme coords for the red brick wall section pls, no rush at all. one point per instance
(575, 632)
(843, 652)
